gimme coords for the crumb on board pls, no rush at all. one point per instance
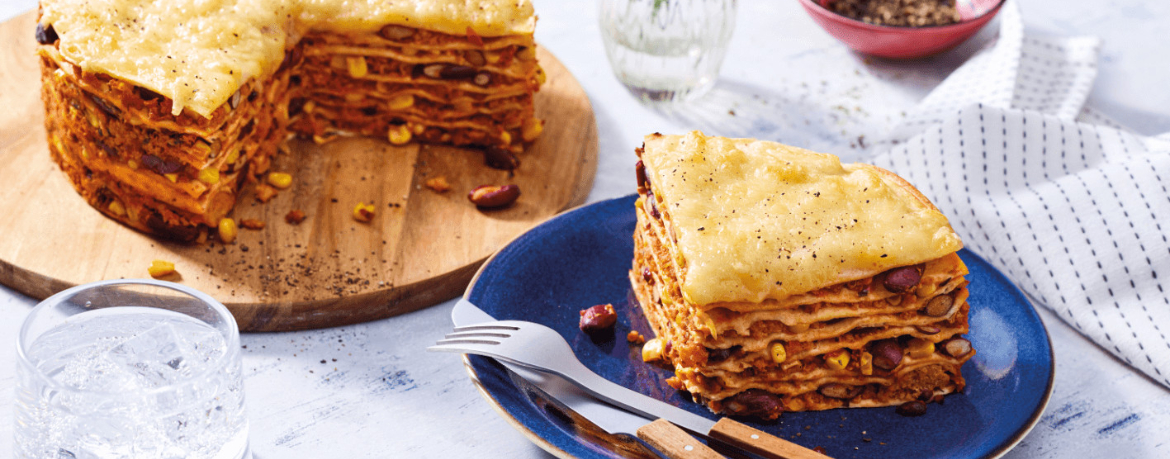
(252, 224)
(438, 184)
(294, 217)
(264, 192)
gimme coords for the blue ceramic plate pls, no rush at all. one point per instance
(581, 258)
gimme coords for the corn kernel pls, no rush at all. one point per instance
(117, 209)
(838, 359)
(233, 156)
(172, 177)
(532, 129)
(506, 137)
(401, 102)
(363, 212)
(399, 135)
(779, 355)
(59, 146)
(865, 362)
(280, 180)
(540, 76)
(653, 350)
(309, 107)
(492, 57)
(159, 269)
(418, 129)
(209, 175)
(925, 290)
(920, 348)
(132, 164)
(357, 66)
(227, 230)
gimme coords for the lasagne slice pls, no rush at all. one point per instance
(785, 281)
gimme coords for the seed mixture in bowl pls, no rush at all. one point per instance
(901, 13)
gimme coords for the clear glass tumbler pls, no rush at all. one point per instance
(137, 369)
(666, 50)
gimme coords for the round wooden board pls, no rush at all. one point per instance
(421, 248)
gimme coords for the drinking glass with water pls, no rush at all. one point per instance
(130, 369)
(666, 51)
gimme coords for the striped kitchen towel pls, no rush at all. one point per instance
(1066, 203)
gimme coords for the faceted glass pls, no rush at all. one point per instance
(666, 50)
(137, 369)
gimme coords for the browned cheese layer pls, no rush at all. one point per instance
(726, 357)
(176, 176)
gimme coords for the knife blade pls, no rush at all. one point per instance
(664, 437)
(650, 423)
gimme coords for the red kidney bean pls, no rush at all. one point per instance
(900, 280)
(754, 402)
(887, 354)
(596, 319)
(912, 408)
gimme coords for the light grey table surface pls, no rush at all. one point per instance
(378, 394)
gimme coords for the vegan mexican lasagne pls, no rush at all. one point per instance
(782, 280)
(159, 110)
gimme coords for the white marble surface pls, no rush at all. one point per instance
(370, 390)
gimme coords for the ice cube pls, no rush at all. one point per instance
(96, 372)
(102, 437)
(157, 357)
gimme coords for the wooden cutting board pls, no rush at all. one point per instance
(421, 248)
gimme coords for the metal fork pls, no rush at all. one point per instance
(541, 348)
(538, 347)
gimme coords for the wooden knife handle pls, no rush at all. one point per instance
(674, 442)
(755, 441)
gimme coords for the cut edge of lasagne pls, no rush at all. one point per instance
(177, 175)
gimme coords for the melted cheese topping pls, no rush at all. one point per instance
(758, 220)
(199, 52)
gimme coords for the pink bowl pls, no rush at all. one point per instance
(904, 42)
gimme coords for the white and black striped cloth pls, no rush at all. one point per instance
(1065, 203)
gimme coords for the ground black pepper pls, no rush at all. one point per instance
(901, 13)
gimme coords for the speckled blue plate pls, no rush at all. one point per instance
(581, 257)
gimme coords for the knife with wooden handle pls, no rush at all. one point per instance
(666, 432)
(675, 443)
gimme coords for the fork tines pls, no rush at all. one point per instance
(486, 326)
(474, 334)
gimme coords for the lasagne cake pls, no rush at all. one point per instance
(159, 111)
(778, 279)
